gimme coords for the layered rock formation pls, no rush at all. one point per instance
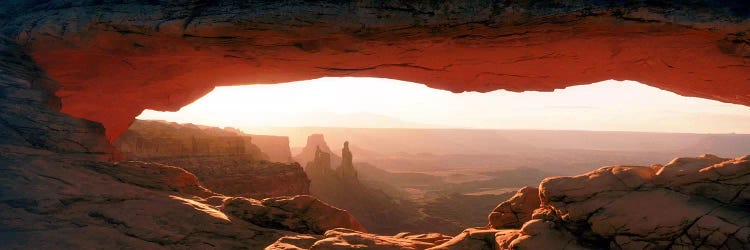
(316, 143)
(174, 52)
(112, 60)
(159, 139)
(244, 176)
(276, 147)
(57, 193)
(76, 202)
(225, 160)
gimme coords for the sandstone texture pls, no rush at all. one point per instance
(58, 193)
(162, 55)
(303, 214)
(516, 210)
(244, 176)
(30, 114)
(225, 160)
(106, 61)
(690, 203)
(159, 139)
(341, 238)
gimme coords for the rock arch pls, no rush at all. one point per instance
(114, 60)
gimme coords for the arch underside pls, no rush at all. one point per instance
(112, 65)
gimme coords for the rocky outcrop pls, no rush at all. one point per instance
(54, 201)
(30, 114)
(690, 203)
(225, 160)
(245, 176)
(160, 139)
(346, 170)
(175, 52)
(57, 193)
(349, 239)
(316, 143)
(276, 147)
(516, 211)
(320, 166)
(303, 214)
(376, 210)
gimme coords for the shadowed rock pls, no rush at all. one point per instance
(346, 170)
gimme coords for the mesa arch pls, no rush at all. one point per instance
(158, 55)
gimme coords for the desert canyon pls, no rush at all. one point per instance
(76, 172)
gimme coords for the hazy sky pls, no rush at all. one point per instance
(375, 102)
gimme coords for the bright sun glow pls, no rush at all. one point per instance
(377, 103)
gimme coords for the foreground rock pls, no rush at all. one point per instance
(690, 203)
(303, 214)
(349, 239)
(49, 201)
(516, 210)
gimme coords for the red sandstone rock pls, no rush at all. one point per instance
(346, 170)
(54, 191)
(159, 139)
(302, 213)
(516, 211)
(316, 143)
(341, 238)
(173, 54)
(244, 176)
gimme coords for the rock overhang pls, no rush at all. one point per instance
(114, 60)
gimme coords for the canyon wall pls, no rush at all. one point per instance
(226, 160)
(244, 176)
(276, 147)
(173, 52)
(159, 139)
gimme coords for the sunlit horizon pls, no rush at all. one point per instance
(386, 103)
